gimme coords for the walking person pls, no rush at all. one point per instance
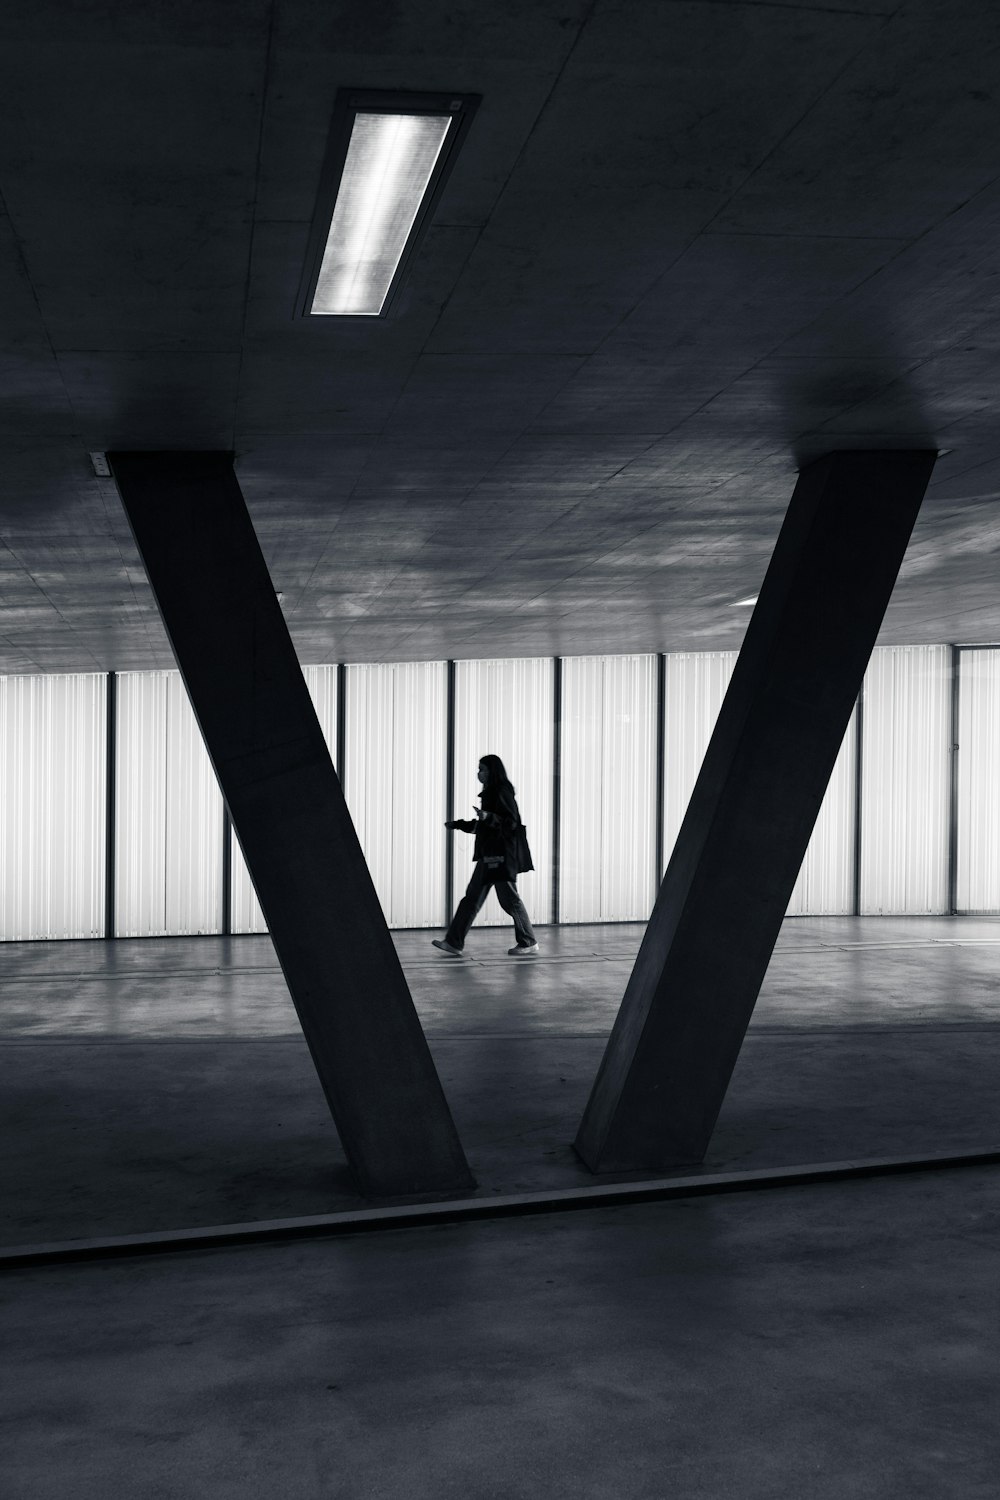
(501, 853)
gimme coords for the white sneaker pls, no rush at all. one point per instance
(523, 952)
(446, 947)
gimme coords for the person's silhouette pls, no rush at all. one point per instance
(500, 853)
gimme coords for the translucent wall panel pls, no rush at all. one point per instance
(825, 886)
(52, 806)
(695, 685)
(394, 780)
(245, 914)
(505, 708)
(608, 801)
(978, 883)
(904, 800)
(168, 821)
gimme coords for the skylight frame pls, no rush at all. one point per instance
(348, 104)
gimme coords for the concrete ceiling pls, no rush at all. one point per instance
(687, 244)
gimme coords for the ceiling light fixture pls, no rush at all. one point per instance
(386, 163)
(739, 603)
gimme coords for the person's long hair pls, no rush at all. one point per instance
(496, 774)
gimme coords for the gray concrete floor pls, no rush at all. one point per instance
(826, 1343)
(814, 1343)
(163, 1084)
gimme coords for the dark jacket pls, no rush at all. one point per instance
(500, 835)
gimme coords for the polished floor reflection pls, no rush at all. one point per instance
(160, 1084)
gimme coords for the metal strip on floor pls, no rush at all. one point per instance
(463, 1210)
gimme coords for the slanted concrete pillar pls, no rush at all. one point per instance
(709, 940)
(218, 604)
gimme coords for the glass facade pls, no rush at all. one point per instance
(505, 708)
(245, 914)
(825, 884)
(695, 684)
(169, 875)
(904, 780)
(395, 761)
(978, 799)
(607, 843)
(52, 806)
(168, 813)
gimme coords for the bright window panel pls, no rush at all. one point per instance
(245, 914)
(389, 163)
(52, 805)
(695, 686)
(505, 708)
(825, 884)
(978, 883)
(394, 780)
(608, 779)
(168, 820)
(904, 799)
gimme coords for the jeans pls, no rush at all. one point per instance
(479, 888)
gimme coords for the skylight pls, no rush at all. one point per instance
(386, 164)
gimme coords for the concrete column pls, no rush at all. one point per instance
(691, 994)
(229, 636)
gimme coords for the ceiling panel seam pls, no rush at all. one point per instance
(526, 142)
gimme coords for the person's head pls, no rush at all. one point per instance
(492, 771)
